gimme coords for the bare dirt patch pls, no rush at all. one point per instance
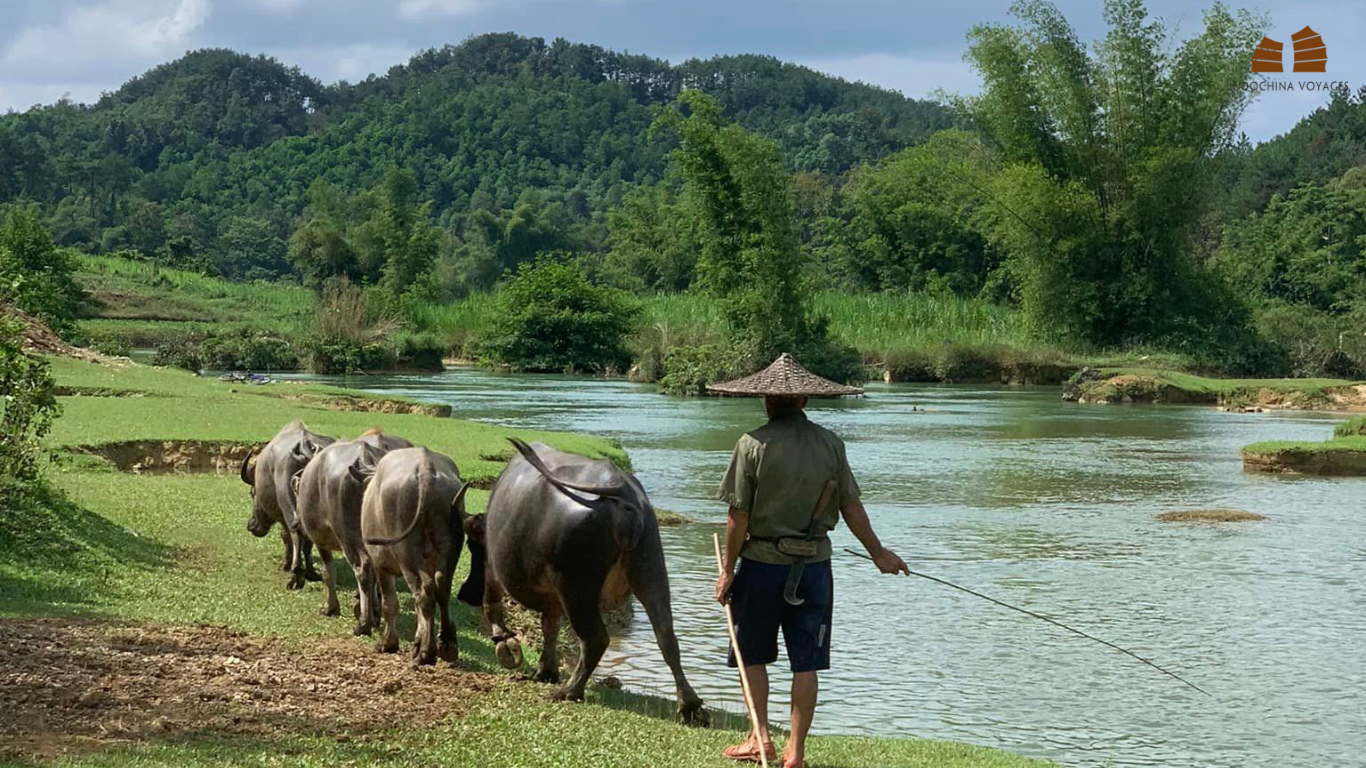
(366, 405)
(68, 391)
(151, 457)
(1351, 399)
(41, 339)
(70, 686)
(1210, 516)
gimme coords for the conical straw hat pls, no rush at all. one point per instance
(784, 377)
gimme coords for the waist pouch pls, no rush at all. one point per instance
(795, 547)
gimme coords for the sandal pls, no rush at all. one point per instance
(748, 752)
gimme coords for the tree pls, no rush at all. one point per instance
(650, 241)
(749, 250)
(251, 249)
(35, 275)
(404, 230)
(915, 220)
(1106, 158)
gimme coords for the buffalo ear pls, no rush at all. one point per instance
(308, 448)
(361, 471)
(248, 471)
(459, 504)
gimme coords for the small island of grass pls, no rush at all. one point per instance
(1142, 385)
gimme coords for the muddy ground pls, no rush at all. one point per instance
(76, 685)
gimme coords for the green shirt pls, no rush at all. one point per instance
(776, 476)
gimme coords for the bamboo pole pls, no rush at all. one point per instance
(739, 660)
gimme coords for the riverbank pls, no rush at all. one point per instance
(174, 641)
(1114, 385)
(1344, 454)
(913, 337)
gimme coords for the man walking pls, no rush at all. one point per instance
(787, 485)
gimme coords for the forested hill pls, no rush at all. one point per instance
(216, 152)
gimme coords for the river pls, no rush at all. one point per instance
(1045, 504)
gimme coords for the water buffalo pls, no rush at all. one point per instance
(569, 535)
(329, 502)
(272, 494)
(412, 523)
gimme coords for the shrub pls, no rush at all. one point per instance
(183, 352)
(688, 370)
(248, 351)
(35, 275)
(551, 317)
(1353, 427)
(418, 351)
(27, 404)
(324, 355)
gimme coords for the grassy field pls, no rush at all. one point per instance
(906, 337)
(146, 304)
(188, 650)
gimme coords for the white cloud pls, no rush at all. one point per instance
(279, 6)
(19, 98)
(917, 76)
(110, 32)
(348, 62)
(416, 9)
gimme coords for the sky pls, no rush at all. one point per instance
(80, 48)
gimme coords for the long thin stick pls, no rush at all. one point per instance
(740, 661)
(1044, 618)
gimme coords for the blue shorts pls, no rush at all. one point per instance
(760, 610)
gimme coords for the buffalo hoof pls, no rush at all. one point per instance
(509, 653)
(449, 652)
(543, 675)
(287, 566)
(692, 713)
(567, 693)
(330, 610)
(363, 629)
(312, 575)
(296, 582)
(383, 647)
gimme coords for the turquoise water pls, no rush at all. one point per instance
(1045, 504)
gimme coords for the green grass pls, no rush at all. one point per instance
(1229, 387)
(1353, 427)
(518, 729)
(915, 336)
(151, 333)
(1147, 385)
(156, 300)
(1354, 444)
(180, 406)
(173, 548)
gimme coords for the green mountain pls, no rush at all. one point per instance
(215, 154)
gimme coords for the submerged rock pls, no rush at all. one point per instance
(1210, 516)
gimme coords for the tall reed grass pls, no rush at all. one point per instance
(916, 336)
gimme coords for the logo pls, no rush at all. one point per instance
(1311, 53)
